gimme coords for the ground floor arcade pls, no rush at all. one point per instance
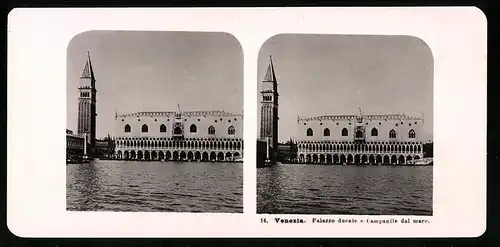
(177, 155)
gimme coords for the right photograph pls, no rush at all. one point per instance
(345, 125)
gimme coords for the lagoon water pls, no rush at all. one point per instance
(337, 189)
(108, 185)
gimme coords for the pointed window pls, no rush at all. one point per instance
(345, 132)
(326, 132)
(411, 134)
(392, 134)
(231, 130)
(163, 128)
(359, 134)
(374, 132)
(211, 130)
(144, 128)
(309, 132)
(193, 128)
(127, 128)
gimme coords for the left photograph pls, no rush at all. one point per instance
(154, 122)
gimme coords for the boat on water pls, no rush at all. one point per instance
(86, 159)
(79, 160)
(424, 162)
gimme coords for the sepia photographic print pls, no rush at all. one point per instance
(346, 109)
(154, 122)
(346, 125)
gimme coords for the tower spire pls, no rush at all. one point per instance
(87, 112)
(88, 71)
(270, 71)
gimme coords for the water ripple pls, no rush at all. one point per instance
(155, 186)
(376, 190)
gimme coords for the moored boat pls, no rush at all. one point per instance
(424, 162)
(86, 159)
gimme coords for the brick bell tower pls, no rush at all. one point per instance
(87, 106)
(269, 110)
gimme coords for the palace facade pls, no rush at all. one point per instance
(179, 136)
(360, 139)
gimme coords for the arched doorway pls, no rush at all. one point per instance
(378, 160)
(315, 158)
(168, 155)
(229, 156)
(350, 159)
(153, 155)
(364, 159)
(183, 155)
(372, 159)
(204, 156)
(321, 158)
(329, 159)
(394, 160)
(190, 156)
(175, 156)
(220, 156)
(161, 155)
(213, 156)
(308, 159)
(401, 160)
(356, 159)
(387, 160)
(343, 159)
(301, 158)
(335, 159)
(197, 156)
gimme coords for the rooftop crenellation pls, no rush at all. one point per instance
(173, 113)
(366, 117)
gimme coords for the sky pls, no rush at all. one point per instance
(338, 74)
(155, 71)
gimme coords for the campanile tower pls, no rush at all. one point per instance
(87, 104)
(269, 109)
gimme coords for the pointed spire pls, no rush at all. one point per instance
(88, 72)
(270, 76)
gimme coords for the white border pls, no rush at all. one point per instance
(37, 42)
